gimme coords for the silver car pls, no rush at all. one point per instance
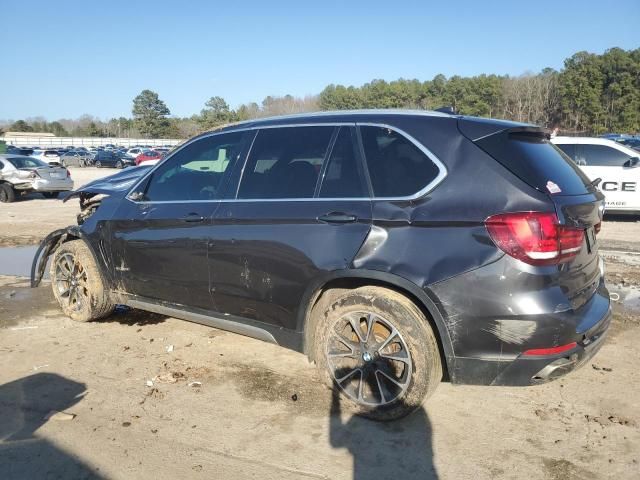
(20, 174)
(75, 159)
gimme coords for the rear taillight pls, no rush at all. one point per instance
(68, 174)
(536, 238)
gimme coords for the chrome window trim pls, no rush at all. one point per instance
(442, 170)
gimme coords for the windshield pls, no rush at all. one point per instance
(27, 162)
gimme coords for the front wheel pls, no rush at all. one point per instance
(378, 349)
(119, 164)
(77, 283)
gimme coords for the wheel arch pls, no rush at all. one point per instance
(350, 279)
(50, 244)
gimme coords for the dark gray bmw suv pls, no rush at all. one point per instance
(394, 248)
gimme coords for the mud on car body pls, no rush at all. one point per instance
(394, 248)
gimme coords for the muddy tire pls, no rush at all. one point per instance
(7, 194)
(77, 283)
(388, 367)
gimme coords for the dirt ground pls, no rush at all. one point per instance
(144, 396)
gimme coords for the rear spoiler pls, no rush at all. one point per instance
(478, 128)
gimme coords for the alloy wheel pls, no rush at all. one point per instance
(368, 359)
(71, 281)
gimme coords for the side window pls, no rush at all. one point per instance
(196, 172)
(600, 156)
(569, 150)
(343, 177)
(397, 167)
(285, 162)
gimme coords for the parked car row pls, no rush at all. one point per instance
(107, 156)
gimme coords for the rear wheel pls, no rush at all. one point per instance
(119, 164)
(98, 164)
(377, 348)
(77, 283)
(50, 194)
(7, 194)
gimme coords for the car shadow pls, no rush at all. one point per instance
(400, 449)
(25, 406)
(134, 317)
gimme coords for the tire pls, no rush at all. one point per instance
(77, 283)
(50, 194)
(385, 377)
(98, 164)
(119, 164)
(7, 193)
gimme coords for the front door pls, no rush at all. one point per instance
(160, 233)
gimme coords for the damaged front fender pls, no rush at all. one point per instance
(47, 247)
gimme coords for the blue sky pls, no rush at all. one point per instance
(66, 58)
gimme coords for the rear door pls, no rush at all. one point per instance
(302, 210)
(159, 233)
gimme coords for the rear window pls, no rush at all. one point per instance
(285, 162)
(535, 160)
(26, 162)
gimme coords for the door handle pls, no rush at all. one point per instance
(337, 217)
(193, 218)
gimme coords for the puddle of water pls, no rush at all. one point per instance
(628, 297)
(17, 260)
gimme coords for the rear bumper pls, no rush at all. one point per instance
(526, 370)
(532, 370)
(53, 185)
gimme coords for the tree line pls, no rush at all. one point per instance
(592, 94)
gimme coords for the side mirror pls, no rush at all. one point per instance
(632, 162)
(136, 196)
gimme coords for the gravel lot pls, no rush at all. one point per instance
(146, 396)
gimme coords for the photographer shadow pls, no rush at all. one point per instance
(25, 406)
(400, 449)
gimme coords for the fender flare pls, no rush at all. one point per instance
(425, 302)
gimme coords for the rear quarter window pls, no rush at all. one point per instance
(397, 167)
(536, 161)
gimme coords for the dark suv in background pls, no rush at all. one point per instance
(393, 248)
